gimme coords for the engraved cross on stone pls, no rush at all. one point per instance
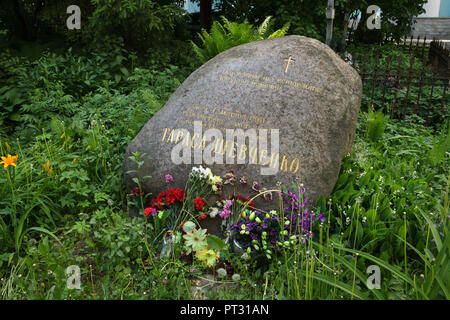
(289, 61)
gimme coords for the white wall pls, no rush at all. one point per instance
(432, 9)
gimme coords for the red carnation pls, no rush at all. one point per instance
(251, 204)
(175, 194)
(180, 194)
(202, 217)
(147, 212)
(170, 197)
(199, 203)
(157, 203)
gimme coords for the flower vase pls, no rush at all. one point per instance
(237, 248)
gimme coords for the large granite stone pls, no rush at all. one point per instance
(294, 84)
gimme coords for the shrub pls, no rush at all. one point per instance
(230, 34)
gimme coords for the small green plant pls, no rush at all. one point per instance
(440, 147)
(230, 34)
(376, 124)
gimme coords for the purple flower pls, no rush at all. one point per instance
(169, 178)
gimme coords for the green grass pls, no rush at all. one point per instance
(389, 207)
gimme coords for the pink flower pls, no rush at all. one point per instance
(228, 204)
(225, 214)
(169, 178)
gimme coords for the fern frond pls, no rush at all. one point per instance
(227, 34)
(264, 27)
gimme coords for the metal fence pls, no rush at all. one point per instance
(415, 83)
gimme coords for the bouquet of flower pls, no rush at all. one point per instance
(267, 233)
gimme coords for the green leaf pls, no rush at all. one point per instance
(124, 71)
(43, 230)
(215, 243)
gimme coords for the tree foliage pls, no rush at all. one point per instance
(133, 20)
(307, 17)
(136, 20)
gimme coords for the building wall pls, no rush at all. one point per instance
(435, 23)
(432, 9)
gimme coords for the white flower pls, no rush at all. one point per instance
(213, 212)
(236, 277)
(221, 272)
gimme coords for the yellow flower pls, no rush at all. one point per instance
(9, 160)
(88, 147)
(7, 146)
(208, 256)
(216, 180)
(50, 170)
(74, 160)
(46, 165)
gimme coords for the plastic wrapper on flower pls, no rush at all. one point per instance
(228, 241)
(167, 242)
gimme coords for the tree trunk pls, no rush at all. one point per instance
(344, 31)
(22, 27)
(205, 14)
(35, 20)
